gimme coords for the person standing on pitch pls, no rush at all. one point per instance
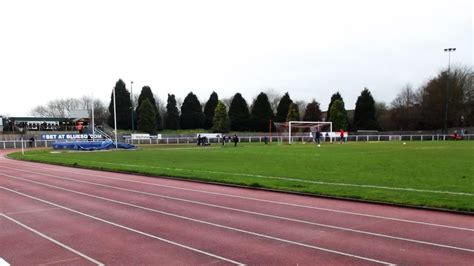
(235, 139)
(317, 137)
(341, 135)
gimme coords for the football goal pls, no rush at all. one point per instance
(302, 130)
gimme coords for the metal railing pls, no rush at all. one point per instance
(188, 140)
(16, 144)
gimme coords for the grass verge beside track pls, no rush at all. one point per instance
(429, 174)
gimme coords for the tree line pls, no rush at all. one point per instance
(420, 109)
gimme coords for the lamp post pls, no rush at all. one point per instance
(446, 103)
(131, 102)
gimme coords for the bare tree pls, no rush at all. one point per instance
(227, 101)
(382, 116)
(404, 110)
(62, 108)
(301, 106)
(274, 98)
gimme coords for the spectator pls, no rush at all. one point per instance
(235, 139)
(31, 142)
(317, 137)
(341, 135)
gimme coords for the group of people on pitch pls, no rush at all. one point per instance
(203, 141)
(318, 135)
(234, 139)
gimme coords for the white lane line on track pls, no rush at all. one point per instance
(241, 197)
(62, 262)
(123, 227)
(237, 210)
(32, 211)
(203, 222)
(4, 262)
(52, 240)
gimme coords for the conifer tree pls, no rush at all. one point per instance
(364, 114)
(312, 112)
(239, 113)
(221, 119)
(283, 108)
(123, 106)
(261, 113)
(209, 109)
(334, 97)
(338, 116)
(172, 113)
(147, 117)
(191, 113)
(293, 113)
(146, 93)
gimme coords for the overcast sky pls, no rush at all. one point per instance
(59, 49)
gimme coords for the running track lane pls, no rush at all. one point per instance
(240, 225)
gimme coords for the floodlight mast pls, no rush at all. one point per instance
(305, 122)
(92, 114)
(115, 122)
(449, 50)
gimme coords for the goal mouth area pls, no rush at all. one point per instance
(300, 130)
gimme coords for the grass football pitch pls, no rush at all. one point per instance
(430, 173)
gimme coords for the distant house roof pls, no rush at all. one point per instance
(350, 115)
(39, 119)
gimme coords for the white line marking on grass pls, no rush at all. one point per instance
(197, 221)
(172, 149)
(123, 227)
(247, 198)
(52, 240)
(296, 180)
(231, 209)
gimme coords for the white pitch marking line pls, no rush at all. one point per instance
(194, 220)
(52, 240)
(299, 180)
(247, 198)
(123, 227)
(233, 209)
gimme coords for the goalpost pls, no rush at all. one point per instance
(302, 130)
(312, 125)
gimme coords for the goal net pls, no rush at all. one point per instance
(303, 131)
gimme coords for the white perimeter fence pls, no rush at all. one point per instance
(186, 140)
(16, 144)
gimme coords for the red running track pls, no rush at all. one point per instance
(60, 215)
